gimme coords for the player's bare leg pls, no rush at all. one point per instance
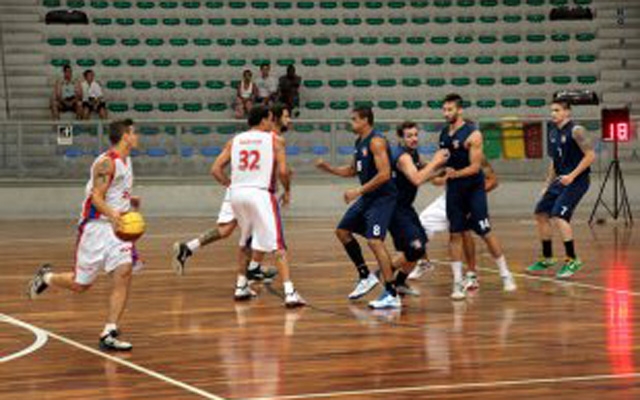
(389, 298)
(122, 276)
(456, 251)
(404, 268)
(45, 277)
(367, 280)
(572, 263)
(471, 276)
(243, 290)
(495, 249)
(546, 261)
(182, 251)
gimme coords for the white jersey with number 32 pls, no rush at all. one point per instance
(253, 160)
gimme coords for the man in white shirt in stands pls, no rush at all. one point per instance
(92, 96)
(267, 86)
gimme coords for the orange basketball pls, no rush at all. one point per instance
(132, 226)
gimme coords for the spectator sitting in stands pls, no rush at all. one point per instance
(92, 96)
(289, 90)
(246, 95)
(66, 97)
(267, 86)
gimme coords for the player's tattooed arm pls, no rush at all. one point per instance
(584, 142)
(345, 171)
(102, 175)
(219, 165)
(490, 177)
(476, 156)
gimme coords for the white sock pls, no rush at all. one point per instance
(253, 265)
(502, 265)
(47, 278)
(241, 281)
(471, 274)
(456, 267)
(108, 328)
(193, 245)
(288, 287)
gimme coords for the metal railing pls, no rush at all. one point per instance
(185, 148)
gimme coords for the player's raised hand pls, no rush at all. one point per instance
(351, 194)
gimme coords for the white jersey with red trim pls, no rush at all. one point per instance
(253, 160)
(118, 195)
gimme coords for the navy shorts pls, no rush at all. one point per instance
(369, 216)
(467, 207)
(561, 201)
(409, 237)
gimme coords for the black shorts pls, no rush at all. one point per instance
(369, 216)
(561, 201)
(407, 231)
(467, 207)
(94, 106)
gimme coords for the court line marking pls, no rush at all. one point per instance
(41, 338)
(459, 386)
(129, 364)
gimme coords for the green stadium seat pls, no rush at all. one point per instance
(214, 84)
(111, 62)
(314, 105)
(484, 60)
(360, 61)
(122, 5)
(166, 85)
(75, 3)
(585, 37)
(488, 19)
(511, 39)
(374, 21)
(338, 83)
(107, 42)
(192, 107)
(487, 39)
(102, 21)
(461, 81)
(463, 39)
(329, 21)
(536, 18)
(536, 38)
(434, 104)
(212, 62)
(388, 104)
(190, 85)
(510, 80)
(339, 105)
(305, 5)
(143, 107)
(116, 85)
(392, 40)
(351, 5)
(587, 79)
(81, 41)
(126, 21)
(436, 82)
(560, 58)
(345, 40)
(536, 102)
(262, 22)
(312, 83)
(141, 85)
(416, 40)
(409, 61)
(488, 3)
(387, 82)
(285, 62)
(509, 60)
(385, 61)
(285, 21)
(422, 20)
(202, 42)
(145, 5)
(187, 62)
(558, 3)
(307, 21)
(328, 5)
(154, 42)
(162, 62)
(99, 4)
(362, 83)
(169, 5)
(466, 19)
(178, 42)
(217, 107)
(86, 62)
(536, 80)
(535, 3)
(57, 42)
(411, 82)
(352, 21)
(117, 107)
(582, 2)
(335, 61)
(373, 5)
(59, 62)
(459, 60)
(137, 62)
(249, 42)
(237, 62)
(369, 40)
(512, 3)
(466, 3)
(398, 21)
(560, 37)
(237, 5)
(297, 41)
(310, 62)
(485, 81)
(171, 21)
(283, 5)
(535, 59)
(51, 3)
(440, 40)
(168, 107)
(586, 58)
(511, 103)
(561, 80)
(130, 42)
(226, 42)
(442, 3)
(486, 103)
(194, 21)
(148, 21)
(443, 19)
(434, 60)
(217, 21)
(214, 4)
(412, 104)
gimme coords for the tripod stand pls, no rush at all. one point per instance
(621, 205)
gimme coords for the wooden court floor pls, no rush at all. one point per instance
(574, 340)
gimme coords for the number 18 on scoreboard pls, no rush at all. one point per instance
(616, 125)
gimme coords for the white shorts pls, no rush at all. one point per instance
(99, 249)
(434, 217)
(226, 215)
(258, 215)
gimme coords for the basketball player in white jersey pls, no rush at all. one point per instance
(256, 157)
(227, 223)
(108, 196)
(434, 220)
